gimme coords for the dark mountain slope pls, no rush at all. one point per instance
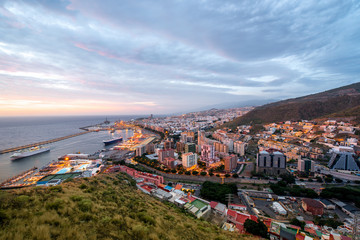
(307, 107)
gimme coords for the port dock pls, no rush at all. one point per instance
(41, 143)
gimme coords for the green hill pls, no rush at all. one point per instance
(103, 207)
(335, 101)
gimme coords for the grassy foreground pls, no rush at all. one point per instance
(103, 207)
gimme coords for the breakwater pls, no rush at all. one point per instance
(41, 143)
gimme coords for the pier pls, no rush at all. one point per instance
(41, 143)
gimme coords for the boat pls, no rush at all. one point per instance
(29, 152)
(112, 140)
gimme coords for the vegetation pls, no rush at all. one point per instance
(285, 187)
(256, 228)
(350, 194)
(298, 223)
(216, 191)
(340, 102)
(328, 222)
(105, 207)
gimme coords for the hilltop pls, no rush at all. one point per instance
(103, 207)
(339, 102)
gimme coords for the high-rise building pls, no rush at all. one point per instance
(165, 153)
(190, 147)
(230, 162)
(306, 166)
(167, 144)
(189, 159)
(180, 147)
(219, 147)
(150, 148)
(271, 163)
(170, 162)
(229, 143)
(240, 147)
(140, 150)
(207, 152)
(186, 137)
(201, 137)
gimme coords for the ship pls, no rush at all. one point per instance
(29, 152)
(112, 140)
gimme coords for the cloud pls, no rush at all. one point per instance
(171, 56)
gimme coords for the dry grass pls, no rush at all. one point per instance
(105, 207)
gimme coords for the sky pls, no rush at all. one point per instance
(87, 57)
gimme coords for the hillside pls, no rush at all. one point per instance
(105, 207)
(335, 101)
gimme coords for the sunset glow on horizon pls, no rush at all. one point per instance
(88, 57)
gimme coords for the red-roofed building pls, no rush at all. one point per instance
(239, 218)
(213, 204)
(148, 177)
(312, 206)
(178, 187)
(237, 207)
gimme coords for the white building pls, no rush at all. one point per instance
(189, 159)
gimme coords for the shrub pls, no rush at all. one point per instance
(76, 198)
(83, 186)
(4, 218)
(203, 173)
(235, 175)
(56, 189)
(211, 174)
(21, 201)
(187, 173)
(56, 204)
(227, 175)
(146, 218)
(85, 205)
(195, 172)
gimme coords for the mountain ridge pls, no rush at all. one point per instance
(308, 107)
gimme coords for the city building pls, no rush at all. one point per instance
(150, 148)
(165, 153)
(312, 206)
(170, 162)
(240, 147)
(140, 150)
(220, 147)
(187, 137)
(230, 162)
(207, 152)
(306, 166)
(189, 159)
(201, 138)
(167, 144)
(344, 161)
(271, 162)
(180, 147)
(190, 147)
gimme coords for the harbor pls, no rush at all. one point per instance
(75, 164)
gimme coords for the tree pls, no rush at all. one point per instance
(288, 178)
(203, 173)
(235, 175)
(319, 179)
(187, 173)
(297, 222)
(256, 228)
(227, 175)
(195, 172)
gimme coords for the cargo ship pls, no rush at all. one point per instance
(112, 141)
(29, 152)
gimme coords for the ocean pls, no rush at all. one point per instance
(18, 131)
